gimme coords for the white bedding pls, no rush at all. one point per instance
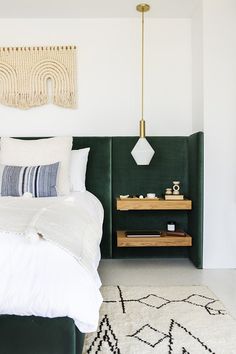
(41, 278)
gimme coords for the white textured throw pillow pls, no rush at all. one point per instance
(78, 167)
(40, 152)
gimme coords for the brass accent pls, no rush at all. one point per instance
(143, 7)
(142, 128)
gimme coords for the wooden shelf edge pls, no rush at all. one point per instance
(152, 204)
(162, 241)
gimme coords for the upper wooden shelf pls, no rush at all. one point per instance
(152, 204)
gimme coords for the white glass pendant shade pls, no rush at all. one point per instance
(142, 152)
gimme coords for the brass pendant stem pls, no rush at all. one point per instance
(142, 68)
(142, 128)
(142, 8)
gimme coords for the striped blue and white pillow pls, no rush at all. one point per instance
(40, 181)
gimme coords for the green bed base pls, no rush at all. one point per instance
(38, 335)
(112, 171)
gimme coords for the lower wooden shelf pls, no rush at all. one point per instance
(162, 241)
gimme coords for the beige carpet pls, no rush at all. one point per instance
(170, 320)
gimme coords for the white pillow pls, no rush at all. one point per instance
(40, 152)
(78, 166)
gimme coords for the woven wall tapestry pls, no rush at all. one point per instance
(25, 71)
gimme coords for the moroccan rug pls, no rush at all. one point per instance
(170, 320)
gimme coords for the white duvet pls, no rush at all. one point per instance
(54, 275)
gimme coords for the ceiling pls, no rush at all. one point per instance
(94, 8)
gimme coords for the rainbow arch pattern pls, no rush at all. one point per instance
(26, 71)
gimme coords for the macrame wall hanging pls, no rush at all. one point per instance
(25, 72)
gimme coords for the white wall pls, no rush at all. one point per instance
(109, 94)
(197, 68)
(109, 77)
(219, 60)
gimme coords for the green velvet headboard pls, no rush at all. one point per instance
(175, 158)
(169, 163)
(112, 171)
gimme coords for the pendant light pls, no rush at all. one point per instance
(142, 151)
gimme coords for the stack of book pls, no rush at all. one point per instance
(153, 233)
(174, 196)
(174, 233)
(143, 233)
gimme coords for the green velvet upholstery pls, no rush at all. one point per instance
(99, 179)
(196, 166)
(169, 163)
(37, 335)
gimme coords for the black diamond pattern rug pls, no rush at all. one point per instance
(172, 320)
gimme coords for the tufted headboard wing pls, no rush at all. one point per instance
(112, 171)
(99, 181)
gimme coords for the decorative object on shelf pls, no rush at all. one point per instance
(142, 151)
(124, 196)
(174, 192)
(171, 226)
(176, 187)
(151, 195)
(168, 191)
(25, 71)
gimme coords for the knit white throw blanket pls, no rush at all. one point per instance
(61, 220)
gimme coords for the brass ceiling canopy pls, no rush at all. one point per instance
(143, 7)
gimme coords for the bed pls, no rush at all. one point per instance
(60, 329)
(107, 177)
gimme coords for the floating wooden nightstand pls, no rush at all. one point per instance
(152, 204)
(162, 241)
(127, 204)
